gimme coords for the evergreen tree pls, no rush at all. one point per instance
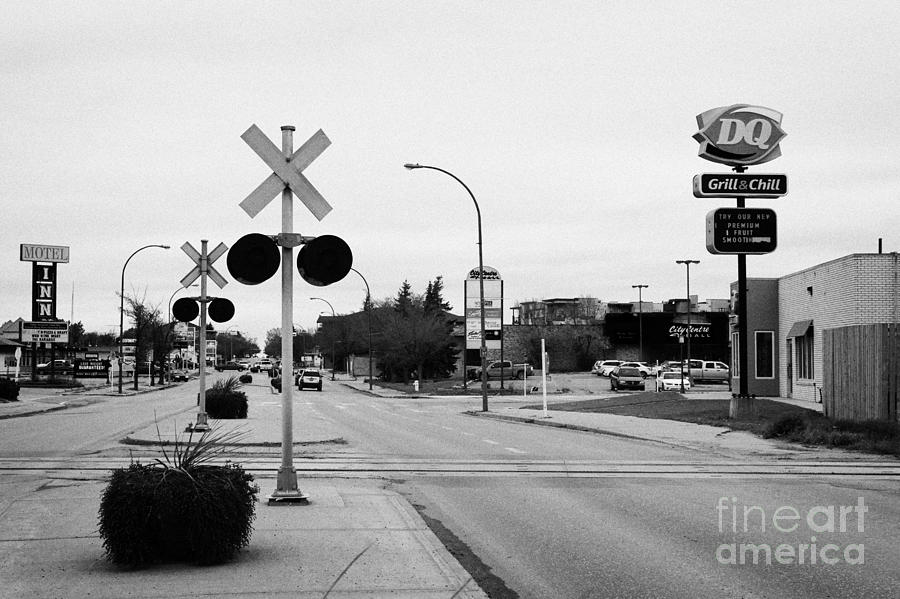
(404, 300)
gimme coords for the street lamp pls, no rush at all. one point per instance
(687, 264)
(369, 313)
(122, 312)
(333, 364)
(640, 321)
(230, 342)
(484, 400)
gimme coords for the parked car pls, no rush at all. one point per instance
(626, 378)
(645, 369)
(179, 375)
(671, 380)
(230, 366)
(709, 371)
(311, 378)
(506, 369)
(58, 366)
(604, 367)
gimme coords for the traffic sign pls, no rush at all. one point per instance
(739, 185)
(741, 231)
(287, 172)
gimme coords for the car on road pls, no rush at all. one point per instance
(264, 365)
(309, 377)
(179, 375)
(671, 380)
(230, 366)
(604, 367)
(623, 377)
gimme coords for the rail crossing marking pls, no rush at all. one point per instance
(287, 172)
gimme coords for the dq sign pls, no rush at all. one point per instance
(740, 134)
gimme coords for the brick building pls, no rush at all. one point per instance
(787, 316)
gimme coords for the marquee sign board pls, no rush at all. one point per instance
(741, 231)
(44, 332)
(739, 185)
(740, 134)
(493, 308)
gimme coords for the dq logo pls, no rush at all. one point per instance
(740, 135)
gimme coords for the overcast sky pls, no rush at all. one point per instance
(571, 122)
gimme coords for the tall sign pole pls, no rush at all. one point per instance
(287, 177)
(739, 136)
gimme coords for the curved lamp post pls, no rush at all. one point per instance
(484, 400)
(687, 264)
(369, 315)
(122, 311)
(333, 363)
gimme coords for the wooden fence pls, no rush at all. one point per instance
(861, 372)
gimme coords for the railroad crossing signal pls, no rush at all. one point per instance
(198, 260)
(287, 173)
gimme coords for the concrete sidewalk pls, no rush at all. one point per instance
(355, 538)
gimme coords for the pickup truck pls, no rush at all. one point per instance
(506, 369)
(706, 371)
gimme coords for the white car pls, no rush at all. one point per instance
(644, 368)
(604, 367)
(671, 380)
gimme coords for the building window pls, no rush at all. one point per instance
(765, 354)
(805, 347)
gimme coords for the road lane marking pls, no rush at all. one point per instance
(491, 442)
(514, 450)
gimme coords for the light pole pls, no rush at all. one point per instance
(230, 343)
(640, 321)
(122, 310)
(483, 351)
(369, 313)
(687, 264)
(333, 363)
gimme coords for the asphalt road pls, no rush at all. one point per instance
(506, 499)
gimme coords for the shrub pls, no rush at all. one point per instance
(9, 390)
(180, 508)
(225, 400)
(784, 426)
(245, 379)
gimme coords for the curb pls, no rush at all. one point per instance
(574, 427)
(34, 412)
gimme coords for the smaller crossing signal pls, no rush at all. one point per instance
(324, 260)
(185, 309)
(221, 309)
(253, 259)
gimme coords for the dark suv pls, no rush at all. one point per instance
(626, 377)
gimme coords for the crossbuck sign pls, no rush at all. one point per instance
(194, 255)
(287, 172)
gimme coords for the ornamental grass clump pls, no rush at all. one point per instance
(225, 400)
(179, 508)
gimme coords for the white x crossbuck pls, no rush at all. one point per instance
(287, 173)
(194, 255)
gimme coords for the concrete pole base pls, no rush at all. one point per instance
(287, 490)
